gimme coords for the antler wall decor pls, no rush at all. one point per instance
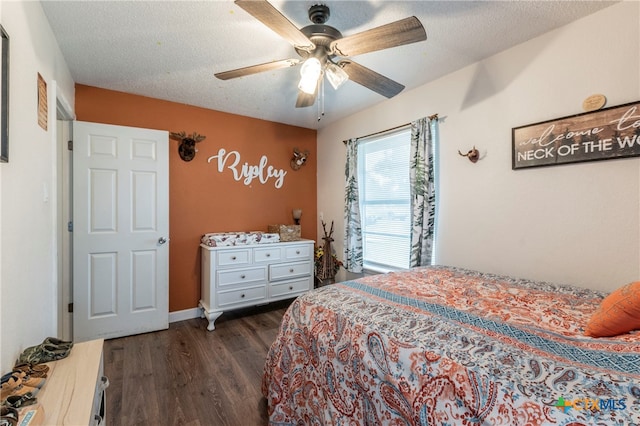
(473, 155)
(187, 148)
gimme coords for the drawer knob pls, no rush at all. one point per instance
(297, 251)
(233, 258)
(290, 287)
(268, 254)
(291, 270)
(242, 296)
(242, 276)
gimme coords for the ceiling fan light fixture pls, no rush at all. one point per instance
(318, 44)
(309, 75)
(336, 75)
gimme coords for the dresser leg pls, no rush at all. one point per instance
(212, 317)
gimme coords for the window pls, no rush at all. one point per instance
(385, 200)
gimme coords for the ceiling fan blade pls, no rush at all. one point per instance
(371, 79)
(404, 31)
(264, 12)
(306, 100)
(254, 69)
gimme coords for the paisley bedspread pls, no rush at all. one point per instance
(448, 346)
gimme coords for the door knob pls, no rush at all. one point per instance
(162, 240)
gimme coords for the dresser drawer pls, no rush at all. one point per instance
(247, 296)
(298, 252)
(234, 277)
(99, 399)
(285, 271)
(234, 257)
(267, 254)
(290, 288)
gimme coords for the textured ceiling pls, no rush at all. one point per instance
(171, 49)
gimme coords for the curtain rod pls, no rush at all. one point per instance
(431, 117)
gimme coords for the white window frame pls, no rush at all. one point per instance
(377, 267)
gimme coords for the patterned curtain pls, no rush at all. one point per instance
(423, 194)
(353, 258)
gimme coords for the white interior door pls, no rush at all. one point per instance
(120, 231)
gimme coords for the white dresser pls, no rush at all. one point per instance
(240, 276)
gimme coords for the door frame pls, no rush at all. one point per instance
(64, 199)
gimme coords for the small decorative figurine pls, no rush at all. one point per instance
(327, 263)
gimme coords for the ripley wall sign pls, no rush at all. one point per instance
(598, 135)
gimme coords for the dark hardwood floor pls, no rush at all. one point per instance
(187, 375)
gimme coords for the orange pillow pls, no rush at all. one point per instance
(618, 313)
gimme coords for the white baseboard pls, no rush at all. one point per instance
(186, 314)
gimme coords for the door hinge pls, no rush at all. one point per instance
(70, 226)
(70, 307)
(70, 145)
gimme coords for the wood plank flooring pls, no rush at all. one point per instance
(189, 376)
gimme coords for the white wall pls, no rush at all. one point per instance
(577, 224)
(28, 287)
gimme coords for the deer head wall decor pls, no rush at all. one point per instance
(299, 158)
(187, 148)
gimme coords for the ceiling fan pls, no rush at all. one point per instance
(324, 51)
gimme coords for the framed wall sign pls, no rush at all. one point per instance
(4, 96)
(596, 135)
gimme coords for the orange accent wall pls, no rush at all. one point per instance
(201, 198)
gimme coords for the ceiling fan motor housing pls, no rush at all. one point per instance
(321, 35)
(319, 13)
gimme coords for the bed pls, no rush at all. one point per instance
(448, 346)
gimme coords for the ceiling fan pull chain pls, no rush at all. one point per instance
(321, 101)
(323, 94)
